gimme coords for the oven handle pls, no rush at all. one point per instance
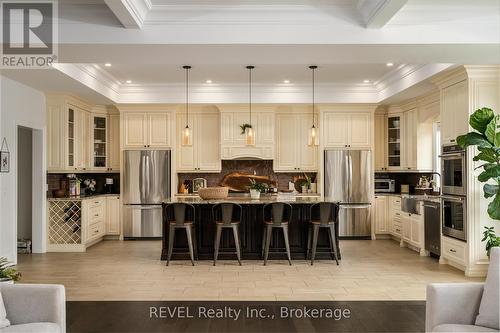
(451, 155)
(450, 198)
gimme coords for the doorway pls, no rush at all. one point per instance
(24, 189)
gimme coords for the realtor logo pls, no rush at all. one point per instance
(29, 34)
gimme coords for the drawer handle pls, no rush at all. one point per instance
(398, 214)
(96, 202)
(96, 215)
(398, 230)
(96, 231)
(453, 250)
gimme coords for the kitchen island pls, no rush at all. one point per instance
(251, 229)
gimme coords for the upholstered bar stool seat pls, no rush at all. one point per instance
(180, 221)
(227, 215)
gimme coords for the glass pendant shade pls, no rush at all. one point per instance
(187, 138)
(249, 136)
(313, 136)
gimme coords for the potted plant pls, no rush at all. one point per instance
(8, 274)
(486, 136)
(256, 188)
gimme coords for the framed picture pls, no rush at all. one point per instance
(198, 183)
(4, 161)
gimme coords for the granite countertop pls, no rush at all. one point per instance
(249, 201)
(418, 197)
(84, 197)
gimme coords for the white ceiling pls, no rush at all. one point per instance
(342, 74)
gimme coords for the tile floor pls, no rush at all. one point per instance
(115, 270)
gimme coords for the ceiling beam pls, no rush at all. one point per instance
(131, 13)
(376, 13)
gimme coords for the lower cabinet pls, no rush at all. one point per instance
(454, 250)
(113, 215)
(381, 215)
(93, 220)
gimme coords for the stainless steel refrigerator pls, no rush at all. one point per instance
(349, 181)
(146, 184)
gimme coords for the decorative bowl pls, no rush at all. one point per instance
(211, 193)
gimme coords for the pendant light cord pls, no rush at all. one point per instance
(313, 86)
(187, 96)
(250, 93)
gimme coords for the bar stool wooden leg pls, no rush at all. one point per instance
(195, 243)
(264, 228)
(334, 242)
(218, 234)
(314, 242)
(237, 242)
(171, 235)
(287, 245)
(309, 241)
(269, 231)
(190, 243)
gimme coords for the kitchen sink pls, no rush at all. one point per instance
(410, 205)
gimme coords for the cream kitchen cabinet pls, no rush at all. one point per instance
(114, 143)
(146, 130)
(204, 154)
(454, 111)
(112, 215)
(292, 150)
(93, 220)
(232, 141)
(380, 142)
(381, 214)
(347, 130)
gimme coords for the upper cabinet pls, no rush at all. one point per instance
(114, 142)
(146, 130)
(78, 136)
(233, 140)
(204, 153)
(347, 130)
(454, 109)
(380, 142)
(292, 150)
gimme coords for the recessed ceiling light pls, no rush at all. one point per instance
(389, 64)
(208, 81)
(366, 81)
(128, 81)
(286, 81)
(107, 64)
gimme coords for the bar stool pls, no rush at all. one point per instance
(223, 216)
(180, 211)
(328, 216)
(281, 214)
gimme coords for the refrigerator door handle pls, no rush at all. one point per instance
(359, 206)
(350, 176)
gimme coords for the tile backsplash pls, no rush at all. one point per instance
(410, 178)
(56, 181)
(257, 167)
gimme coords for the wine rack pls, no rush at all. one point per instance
(65, 222)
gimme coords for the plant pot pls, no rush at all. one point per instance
(6, 281)
(255, 194)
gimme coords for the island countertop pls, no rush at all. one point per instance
(244, 200)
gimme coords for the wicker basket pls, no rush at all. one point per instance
(210, 193)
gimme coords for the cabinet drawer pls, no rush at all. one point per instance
(96, 202)
(397, 227)
(454, 251)
(95, 230)
(396, 214)
(97, 212)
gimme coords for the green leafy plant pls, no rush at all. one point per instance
(487, 139)
(7, 271)
(491, 239)
(261, 187)
(244, 127)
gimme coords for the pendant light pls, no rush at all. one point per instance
(249, 131)
(313, 131)
(187, 138)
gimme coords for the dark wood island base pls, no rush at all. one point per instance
(250, 229)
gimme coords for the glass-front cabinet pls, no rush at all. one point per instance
(71, 138)
(99, 141)
(394, 141)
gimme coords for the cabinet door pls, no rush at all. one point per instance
(56, 138)
(265, 122)
(99, 142)
(226, 128)
(336, 130)
(71, 132)
(381, 226)
(415, 230)
(286, 143)
(159, 130)
(185, 155)
(114, 142)
(394, 141)
(454, 111)
(112, 215)
(380, 142)
(360, 134)
(207, 142)
(410, 139)
(406, 221)
(135, 130)
(307, 157)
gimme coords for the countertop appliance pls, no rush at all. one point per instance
(146, 184)
(432, 225)
(454, 216)
(384, 185)
(348, 180)
(453, 170)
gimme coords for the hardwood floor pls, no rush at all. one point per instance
(115, 270)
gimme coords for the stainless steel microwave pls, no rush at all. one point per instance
(385, 185)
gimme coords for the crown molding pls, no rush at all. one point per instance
(131, 13)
